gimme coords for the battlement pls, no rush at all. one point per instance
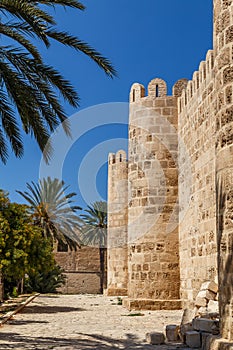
(157, 88)
(200, 80)
(119, 157)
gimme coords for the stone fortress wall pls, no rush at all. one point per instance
(82, 270)
(197, 226)
(180, 186)
(117, 253)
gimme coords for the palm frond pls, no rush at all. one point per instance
(79, 45)
(66, 3)
(52, 211)
(15, 35)
(33, 89)
(94, 228)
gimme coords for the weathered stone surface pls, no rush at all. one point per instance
(181, 151)
(193, 339)
(206, 325)
(155, 338)
(117, 224)
(201, 302)
(210, 285)
(82, 270)
(213, 306)
(204, 340)
(172, 332)
(207, 294)
(151, 304)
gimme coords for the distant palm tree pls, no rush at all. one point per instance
(94, 233)
(29, 88)
(53, 210)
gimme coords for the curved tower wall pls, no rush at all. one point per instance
(117, 224)
(223, 50)
(153, 245)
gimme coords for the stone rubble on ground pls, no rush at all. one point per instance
(155, 338)
(197, 325)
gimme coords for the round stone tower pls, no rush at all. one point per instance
(223, 51)
(153, 246)
(117, 224)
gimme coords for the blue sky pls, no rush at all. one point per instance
(144, 40)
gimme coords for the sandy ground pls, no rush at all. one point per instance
(83, 322)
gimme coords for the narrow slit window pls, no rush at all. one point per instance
(133, 95)
(120, 158)
(157, 91)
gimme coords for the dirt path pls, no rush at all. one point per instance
(82, 322)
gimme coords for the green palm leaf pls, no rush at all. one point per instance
(32, 89)
(94, 228)
(54, 211)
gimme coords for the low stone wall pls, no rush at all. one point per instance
(83, 271)
(81, 283)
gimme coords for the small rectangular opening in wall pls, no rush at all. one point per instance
(157, 90)
(133, 95)
(149, 138)
(204, 72)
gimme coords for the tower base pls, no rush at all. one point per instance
(115, 292)
(151, 304)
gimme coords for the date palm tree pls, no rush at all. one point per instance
(53, 210)
(94, 233)
(29, 88)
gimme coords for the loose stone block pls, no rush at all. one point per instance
(201, 302)
(213, 306)
(155, 338)
(193, 339)
(204, 337)
(184, 328)
(172, 332)
(206, 294)
(206, 325)
(212, 286)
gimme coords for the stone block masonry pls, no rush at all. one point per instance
(153, 265)
(117, 224)
(179, 227)
(82, 270)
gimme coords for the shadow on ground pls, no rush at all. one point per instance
(21, 322)
(50, 309)
(80, 342)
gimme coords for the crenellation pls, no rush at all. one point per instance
(137, 92)
(157, 88)
(117, 223)
(179, 203)
(111, 158)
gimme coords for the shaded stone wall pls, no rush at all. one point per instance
(153, 193)
(223, 49)
(117, 224)
(197, 195)
(82, 270)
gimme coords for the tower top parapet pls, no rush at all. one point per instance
(157, 88)
(119, 157)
